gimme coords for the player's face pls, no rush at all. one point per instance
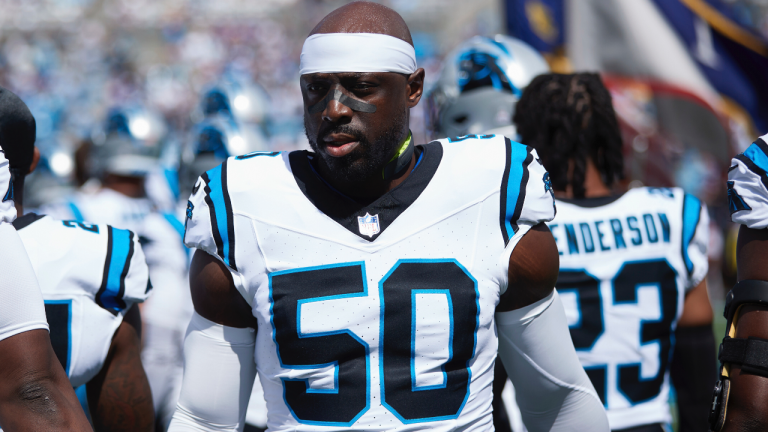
(355, 132)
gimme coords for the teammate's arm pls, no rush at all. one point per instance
(535, 344)
(119, 396)
(35, 394)
(218, 352)
(746, 405)
(694, 364)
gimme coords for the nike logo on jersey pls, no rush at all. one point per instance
(735, 201)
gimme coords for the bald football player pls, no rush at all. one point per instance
(371, 281)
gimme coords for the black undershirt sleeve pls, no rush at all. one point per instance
(693, 374)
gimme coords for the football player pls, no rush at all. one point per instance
(477, 91)
(34, 391)
(739, 394)
(91, 276)
(633, 265)
(129, 151)
(372, 280)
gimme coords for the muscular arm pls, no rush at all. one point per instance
(535, 344)
(119, 396)
(746, 407)
(533, 268)
(694, 361)
(214, 293)
(35, 394)
(218, 352)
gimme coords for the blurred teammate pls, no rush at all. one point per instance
(633, 266)
(91, 276)
(367, 280)
(127, 152)
(739, 403)
(479, 86)
(34, 391)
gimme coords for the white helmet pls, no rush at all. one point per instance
(479, 86)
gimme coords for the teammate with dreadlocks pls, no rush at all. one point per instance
(632, 265)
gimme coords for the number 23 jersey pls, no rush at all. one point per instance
(89, 275)
(377, 317)
(626, 264)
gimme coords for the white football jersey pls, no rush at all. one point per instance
(161, 235)
(748, 186)
(7, 208)
(626, 264)
(90, 275)
(377, 317)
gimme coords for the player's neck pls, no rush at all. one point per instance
(594, 186)
(369, 190)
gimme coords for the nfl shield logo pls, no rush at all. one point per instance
(369, 225)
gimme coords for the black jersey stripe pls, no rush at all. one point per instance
(220, 208)
(754, 168)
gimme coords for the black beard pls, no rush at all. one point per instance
(367, 160)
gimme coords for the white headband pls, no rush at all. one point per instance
(356, 52)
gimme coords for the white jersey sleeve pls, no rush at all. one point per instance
(210, 223)
(527, 198)
(7, 207)
(695, 240)
(748, 186)
(21, 303)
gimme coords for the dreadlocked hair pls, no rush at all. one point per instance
(570, 117)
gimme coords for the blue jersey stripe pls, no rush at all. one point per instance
(756, 155)
(75, 212)
(116, 266)
(221, 218)
(515, 187)
(691, 215)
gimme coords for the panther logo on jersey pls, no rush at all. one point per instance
(735, 201)
(190, 207)
(369, 225)
(548, 187)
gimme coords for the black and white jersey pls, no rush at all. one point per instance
(89, 275)
(626, 264)
(748, 186)
(374, 317)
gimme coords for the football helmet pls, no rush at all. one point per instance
(129, 143)
(479, 86)
(215, 139)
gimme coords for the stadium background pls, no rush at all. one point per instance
(684, 75)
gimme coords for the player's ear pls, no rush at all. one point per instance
(35, 160)
(415, 87)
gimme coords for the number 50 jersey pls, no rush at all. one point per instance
(626, 264)
(377, 317)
